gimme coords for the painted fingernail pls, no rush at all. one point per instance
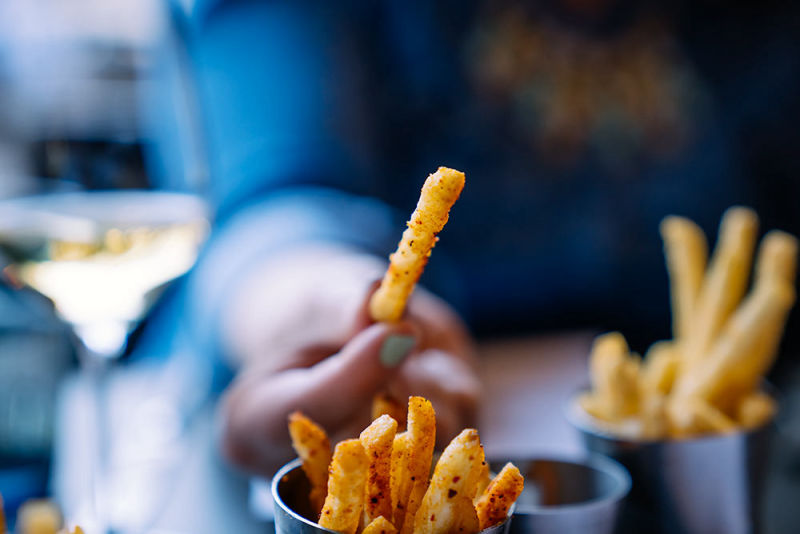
(395, 349)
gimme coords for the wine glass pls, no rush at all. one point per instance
(102, 258)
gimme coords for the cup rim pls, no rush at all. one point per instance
(594, 461)
(282, 472)
(582, 421)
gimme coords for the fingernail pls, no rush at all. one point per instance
(395, 348)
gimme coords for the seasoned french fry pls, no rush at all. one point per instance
(755, 410)
(777, 257)
(421, 440)
(438, 195)
(377, 440)
(614, 375)
(724, 284)
(493, 505)
(742, 353)
(383, 403)
(659, 369)
(484, 477)
(398, 476)
(694, 416)
(686, 252)
(313, 447)
(447, 505)
(379, 525)
(346, 481)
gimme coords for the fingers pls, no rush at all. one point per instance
(331, 392)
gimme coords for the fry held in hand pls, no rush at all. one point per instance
(406, 264)
(313, 447)
(346, 481)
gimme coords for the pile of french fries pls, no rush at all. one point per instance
(708, 378)
(381, 483)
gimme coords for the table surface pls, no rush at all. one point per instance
(528, 381)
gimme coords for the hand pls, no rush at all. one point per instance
(332, 372)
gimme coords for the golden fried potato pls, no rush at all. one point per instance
(313, 447)
(659, 369)
(493, 505)
(38, 517)
(755, 410)
(694, 416)
(383, 403)
(724, 284)
(398, 477)
(377, 440)
(379, 525)
(2, 517)
(421, 435)
(686, 252)
(447, 506)
(777, 257)
(438, 195)
(745, 348)
(346, 482)
(615, 379)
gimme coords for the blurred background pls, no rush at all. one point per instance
(592, 119)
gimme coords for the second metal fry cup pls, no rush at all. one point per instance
(293, 513)
(709, 484)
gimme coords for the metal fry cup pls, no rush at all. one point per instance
(708, 484)
(293, 514)
(562, 496)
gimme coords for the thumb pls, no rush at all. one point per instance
(361, 368)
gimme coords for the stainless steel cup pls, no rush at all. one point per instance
(705, 485)
(293, 513)
(565, 496)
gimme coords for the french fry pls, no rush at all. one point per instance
(659, 369)
(742, 353)
(421, 440)
(346, 481)
(313, 447)
(38, 517)
(654, 419)
(724, 284)
(379, 525)
(694, 416)
(614, 375)
(755, 410)
(377, 440)
(686, 252)
(447, 505)
(438, 195)
(383, 403)
(777, 257)
(493, 505)
(484, 478)
(398, 475)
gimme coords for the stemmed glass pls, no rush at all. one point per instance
(102, 258)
